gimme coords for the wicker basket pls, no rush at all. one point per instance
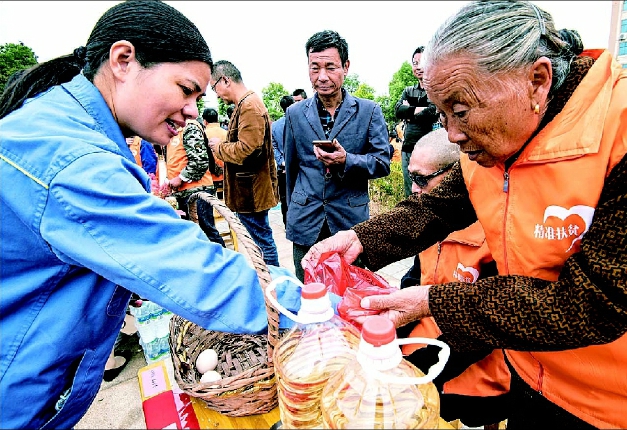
(248, 384)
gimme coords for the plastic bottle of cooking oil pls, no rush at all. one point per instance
(318, 345)
(382, 390)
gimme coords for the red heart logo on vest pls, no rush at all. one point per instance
(466, 274)
(575, 222)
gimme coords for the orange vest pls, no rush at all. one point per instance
(135, 150)
(214, 130)
(553, 189)
(459, 258)
(177, 160)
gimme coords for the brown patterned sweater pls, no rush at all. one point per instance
(517, 312)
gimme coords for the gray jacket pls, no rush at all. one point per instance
(343, 199)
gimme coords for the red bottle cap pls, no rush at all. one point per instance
(315, 290)
(378, 330)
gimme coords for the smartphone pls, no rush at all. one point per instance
(325, 145)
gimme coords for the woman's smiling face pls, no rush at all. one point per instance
(154, 102)
(490, 117)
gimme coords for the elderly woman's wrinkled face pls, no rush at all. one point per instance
(490, 118)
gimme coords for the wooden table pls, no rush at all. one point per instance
(209, 419)
(165, 406)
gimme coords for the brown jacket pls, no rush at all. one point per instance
(214, 130)
(250, 178)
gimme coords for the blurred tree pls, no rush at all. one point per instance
(387, 106)
(201, 106)
(14, 57)
(364, 91)
(221, 107)
(271, 96)
(351, 83)
(401, 79)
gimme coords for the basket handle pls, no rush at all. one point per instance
(253, 251)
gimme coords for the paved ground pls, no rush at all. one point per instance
(118, 403)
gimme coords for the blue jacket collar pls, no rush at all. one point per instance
(90, 98)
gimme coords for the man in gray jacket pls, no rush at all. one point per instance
(327, 183)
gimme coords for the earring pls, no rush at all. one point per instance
(536, 109)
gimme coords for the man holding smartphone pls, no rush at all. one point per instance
(334, 143)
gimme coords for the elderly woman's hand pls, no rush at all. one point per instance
(401, 307)
(346, 243)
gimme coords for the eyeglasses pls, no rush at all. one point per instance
(213, 87)
(423, 180)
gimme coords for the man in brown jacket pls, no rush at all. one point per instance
(250, 177)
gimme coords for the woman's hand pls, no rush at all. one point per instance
(343, 242)
(175, 182)
(403, 306)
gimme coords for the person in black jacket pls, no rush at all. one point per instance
(418, 113)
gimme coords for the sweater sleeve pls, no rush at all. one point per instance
(426, 219)
(587, 305)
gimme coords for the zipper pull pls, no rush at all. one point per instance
(506, 182)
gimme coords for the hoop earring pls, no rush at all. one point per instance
(536, 109)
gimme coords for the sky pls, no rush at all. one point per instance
(266, 40)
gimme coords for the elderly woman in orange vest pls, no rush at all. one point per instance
(542, 124)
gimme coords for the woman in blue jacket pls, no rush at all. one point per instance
(80, 229)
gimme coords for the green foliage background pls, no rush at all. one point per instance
(14, 57)
(401, 79)
(271, 96)
(201, 106)
(386, 192)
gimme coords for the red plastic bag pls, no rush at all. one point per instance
(350, 282)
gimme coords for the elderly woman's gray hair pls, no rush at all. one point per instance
(504, 36)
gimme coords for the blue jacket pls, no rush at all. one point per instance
(149, 157)
(278, 128)
(79, 230)
(343, 200)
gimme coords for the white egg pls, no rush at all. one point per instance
(206, 361)
(210, 376)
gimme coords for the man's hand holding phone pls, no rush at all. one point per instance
(325, 145)
(329, 152)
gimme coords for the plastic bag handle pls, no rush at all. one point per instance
(272, 286)
(434, 370)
